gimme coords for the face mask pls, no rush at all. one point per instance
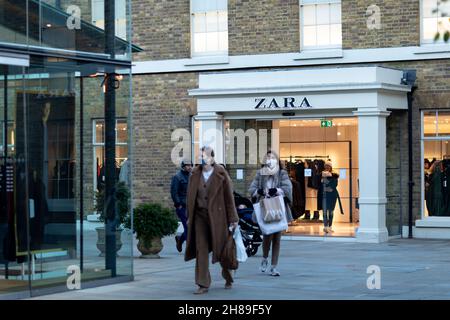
(271, 163)
(206, 161)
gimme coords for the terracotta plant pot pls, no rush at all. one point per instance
(101, 246)
(150, 248)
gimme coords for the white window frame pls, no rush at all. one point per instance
(195, 54)
(423, 41)
(96, 144)
(301, 26)
(422, 157)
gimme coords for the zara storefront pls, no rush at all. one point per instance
(309, 116)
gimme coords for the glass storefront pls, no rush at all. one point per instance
(14, 271)
(99, 150)
(303, 145)
(76, 72)
(47, 182)
(436, 163)
(76, 25)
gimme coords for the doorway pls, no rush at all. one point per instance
(305, 146)
(301, 144)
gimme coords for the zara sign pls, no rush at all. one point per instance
(278, 103)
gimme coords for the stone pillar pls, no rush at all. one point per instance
(372, 175)
(212, 134)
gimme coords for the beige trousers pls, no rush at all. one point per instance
(203, 244)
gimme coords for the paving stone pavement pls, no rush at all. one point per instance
(410, 269)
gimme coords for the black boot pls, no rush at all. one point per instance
(316, 216)
(307, 215)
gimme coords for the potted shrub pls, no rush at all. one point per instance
(122, 205)
(151, 222)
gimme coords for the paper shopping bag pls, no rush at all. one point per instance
(269, 227)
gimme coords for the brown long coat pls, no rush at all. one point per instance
(221, 210)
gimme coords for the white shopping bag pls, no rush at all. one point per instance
(272, 227)
(241, 253)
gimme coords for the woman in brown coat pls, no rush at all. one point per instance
(211, 213)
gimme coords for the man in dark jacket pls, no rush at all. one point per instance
(178, 191)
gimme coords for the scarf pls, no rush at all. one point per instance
(266, 171)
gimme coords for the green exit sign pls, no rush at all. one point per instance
(326, 123)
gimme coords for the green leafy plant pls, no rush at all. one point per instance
(151, 220)
(122, 203)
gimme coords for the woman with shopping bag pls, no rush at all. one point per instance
(212, 218)
(271, 189)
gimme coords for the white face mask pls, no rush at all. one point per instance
(271, 163)
(205, 160)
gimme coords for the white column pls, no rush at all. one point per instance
(212, 134)
(372, 175)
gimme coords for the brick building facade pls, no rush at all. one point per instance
(269, 36)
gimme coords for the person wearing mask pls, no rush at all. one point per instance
(330, 195)
(211, 217)
(270, 181)
(178, 191)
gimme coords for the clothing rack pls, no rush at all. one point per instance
(305, 157)
(310, 157)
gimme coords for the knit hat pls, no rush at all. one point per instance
(328, 163)
(186, 163)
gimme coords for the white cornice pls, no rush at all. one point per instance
(349, 56)
(298, 89)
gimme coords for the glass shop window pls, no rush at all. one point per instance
(99, 149)
(436, 163)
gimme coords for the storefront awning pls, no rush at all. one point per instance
(301, 90)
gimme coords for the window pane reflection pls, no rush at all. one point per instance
(430, 123)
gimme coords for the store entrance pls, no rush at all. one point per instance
(305, 147)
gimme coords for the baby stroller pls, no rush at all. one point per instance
(251, 234)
